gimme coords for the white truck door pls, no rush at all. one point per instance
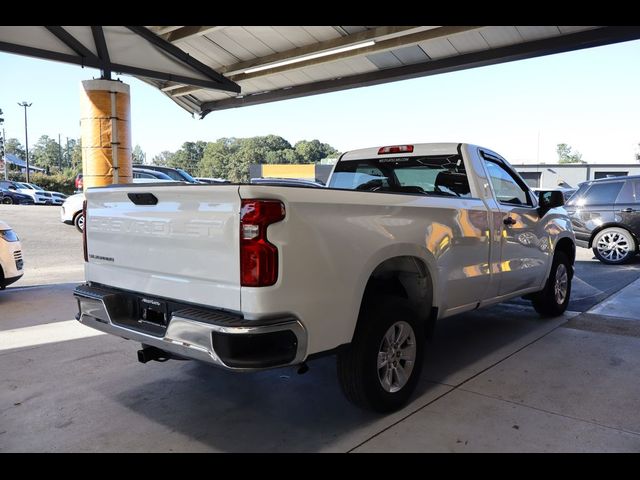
(525, 246)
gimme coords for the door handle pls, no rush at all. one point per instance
(509, 221)
(628, 210)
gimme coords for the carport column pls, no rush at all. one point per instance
(105, 113)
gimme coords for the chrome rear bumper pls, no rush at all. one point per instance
(209, 335)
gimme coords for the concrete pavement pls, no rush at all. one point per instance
(575, 389)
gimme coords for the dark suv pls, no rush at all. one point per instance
(606, 217)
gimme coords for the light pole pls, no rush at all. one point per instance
(26, 137)
(59, 154)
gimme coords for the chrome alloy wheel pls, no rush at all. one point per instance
(396, 356)
(562, 283)
(614, 246)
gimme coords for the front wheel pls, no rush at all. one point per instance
(381, 367)
(614, 246)
(552, 301)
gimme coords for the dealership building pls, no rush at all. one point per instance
(551, 175)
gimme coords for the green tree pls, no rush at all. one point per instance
(313, 151)
(217, 158)
(13, 146)
(162, 159)
(274, 143)
(565, 155)
(73, 155)
(46, 153)
(189, 156)
(230, 157)
(138, 155)
(250, 151)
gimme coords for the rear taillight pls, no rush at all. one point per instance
(84, 231)
(258, 257)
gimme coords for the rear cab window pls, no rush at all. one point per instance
(424, 175)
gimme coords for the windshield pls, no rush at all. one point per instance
(428, 175)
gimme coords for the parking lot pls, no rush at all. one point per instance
(497, 380)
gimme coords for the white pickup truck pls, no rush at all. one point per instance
(250, 277)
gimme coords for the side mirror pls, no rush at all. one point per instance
(12, 188)
(549, 199)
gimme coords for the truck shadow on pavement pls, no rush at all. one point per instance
(279, 410)
(594, 281)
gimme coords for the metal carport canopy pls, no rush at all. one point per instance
(207, 68)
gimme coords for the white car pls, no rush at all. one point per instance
(47, 197)
(71, 209)
(11, 264)
(58, 198)
(39, 197)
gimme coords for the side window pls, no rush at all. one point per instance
(505, 186)
(602, 193)
(636, 191)
(577, 198)
(630, 193)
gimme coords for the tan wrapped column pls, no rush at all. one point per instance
(105, 125)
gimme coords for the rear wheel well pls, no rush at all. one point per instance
(404, 277)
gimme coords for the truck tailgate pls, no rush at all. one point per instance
(184, 246)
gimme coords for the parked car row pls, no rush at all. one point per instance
(14, 192)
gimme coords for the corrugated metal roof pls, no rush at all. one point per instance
(12, 159)
(208, 68)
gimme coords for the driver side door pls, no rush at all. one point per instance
(525, 246)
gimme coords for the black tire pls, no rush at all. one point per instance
(358, 371)
(7, 200)
(617, 256)
(78, 221)
(546, 302)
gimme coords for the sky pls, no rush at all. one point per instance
(589, 99)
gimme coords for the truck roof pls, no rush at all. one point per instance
(419, 149)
